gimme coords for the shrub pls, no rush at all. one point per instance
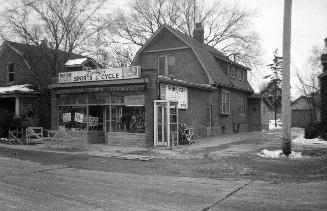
(313, 130)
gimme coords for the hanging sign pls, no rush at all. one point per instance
(100, 74)
(79, 117)
(93, 121)
(175, 93)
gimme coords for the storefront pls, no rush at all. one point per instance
(101, 106)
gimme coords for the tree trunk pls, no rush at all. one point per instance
(275, 104)
(286, 107)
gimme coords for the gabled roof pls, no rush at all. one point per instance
(207, 56)
(316, 100)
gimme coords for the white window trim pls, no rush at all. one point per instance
(222, 102)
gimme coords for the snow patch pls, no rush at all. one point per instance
(279, 154)
(75, 61)
(272, 124)
(20, 88)
(303, 141)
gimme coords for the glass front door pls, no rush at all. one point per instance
(162, 126)
(165, 123)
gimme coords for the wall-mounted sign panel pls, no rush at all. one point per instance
(100, 74)
(175, 93)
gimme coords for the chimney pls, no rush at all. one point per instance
(324, 58)
(44, 43)
(198, 32)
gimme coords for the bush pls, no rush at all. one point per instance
(314, 130)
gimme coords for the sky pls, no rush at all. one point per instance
(309, 28)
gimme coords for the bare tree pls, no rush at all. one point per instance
(66, 24)
(227, 28)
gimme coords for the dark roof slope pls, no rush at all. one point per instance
(208, 56)
(41, 55)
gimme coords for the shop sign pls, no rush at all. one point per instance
(175, 93)
(100, 74)
(134, 100)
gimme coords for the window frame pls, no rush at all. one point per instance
(242, 105)
(166, 59)
(10, 73)
(224, 92)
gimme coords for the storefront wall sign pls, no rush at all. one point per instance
(100, 75)
(134, 100)
(175, 93)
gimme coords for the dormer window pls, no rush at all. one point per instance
(166, 64)
(236, 73)
(11, 72)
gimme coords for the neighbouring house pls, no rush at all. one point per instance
(25, 73)
(305, 110)
(260, 109)
(323, 88)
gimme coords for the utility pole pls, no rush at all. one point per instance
(286, 104)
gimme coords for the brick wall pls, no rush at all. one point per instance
(234, 120)
(127, 139)
(195, 115)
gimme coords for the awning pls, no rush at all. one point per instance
(17, 89)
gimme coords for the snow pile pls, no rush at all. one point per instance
(279, 154)
(300, 140)
(19, 88)
(272, 124)
(303, 141)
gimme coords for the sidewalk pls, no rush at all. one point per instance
(104, 150)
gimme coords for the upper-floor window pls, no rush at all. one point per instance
(225, 102)
(86, 68)
(11, 72)
(242, 102)
(166, 64)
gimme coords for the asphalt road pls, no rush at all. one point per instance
(27, 185)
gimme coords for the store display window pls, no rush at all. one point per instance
(73, 117)
(129, 119)
(102, 111)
